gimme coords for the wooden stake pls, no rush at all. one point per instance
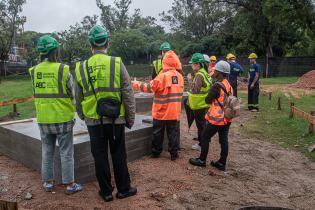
(14, 108)
(270, 96)
(311, 127)
(279, 103)
(291, 110)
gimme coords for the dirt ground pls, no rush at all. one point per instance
(258, 173)
(288, 90)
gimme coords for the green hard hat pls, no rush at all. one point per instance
(197, 58)
(46, 43)
(165, 46)
(98, 33)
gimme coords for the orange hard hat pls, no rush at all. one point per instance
(171, 61)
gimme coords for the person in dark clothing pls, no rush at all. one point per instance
(111, 80)
(253, 83)
(216, 121)
(236, 70)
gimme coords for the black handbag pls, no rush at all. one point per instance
(105, 107)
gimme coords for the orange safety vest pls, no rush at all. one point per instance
(215, 114)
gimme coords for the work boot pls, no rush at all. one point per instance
(197, 162)
(131, 192)
(106, 198)
(174, 156)
(218, 165)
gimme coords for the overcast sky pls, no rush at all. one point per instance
(57, 15)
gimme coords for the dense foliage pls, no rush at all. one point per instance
(267, 27)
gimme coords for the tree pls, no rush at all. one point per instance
(28, 41)
(268, 27)
(129, 45)
(11, 23)
(115, 18)
(75, 45)
(196, 18)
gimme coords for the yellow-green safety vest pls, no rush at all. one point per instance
(105, 76)
(197, 101)
(52, 103)
(157, 66)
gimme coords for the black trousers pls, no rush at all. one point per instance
(173, 133)
(253, 97)
(200, 121)
(209, 131)
(234, 86)
(99, 148)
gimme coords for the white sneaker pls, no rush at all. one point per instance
(196, 147)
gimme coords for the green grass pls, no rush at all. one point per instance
(275, 126)
(17, 87)
(278, 80)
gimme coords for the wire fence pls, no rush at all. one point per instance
(273, 67)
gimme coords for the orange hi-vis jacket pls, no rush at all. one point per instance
(168, 89)
(215, 114)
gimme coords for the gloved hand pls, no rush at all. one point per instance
(136, 85)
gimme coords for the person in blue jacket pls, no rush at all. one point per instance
(253, 83)
(236, 70)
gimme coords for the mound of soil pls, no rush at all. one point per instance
(307, 81)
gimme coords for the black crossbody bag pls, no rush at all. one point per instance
(105, 107)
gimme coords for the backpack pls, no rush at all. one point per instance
(231, 105)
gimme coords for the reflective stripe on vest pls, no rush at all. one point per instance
(105, 76)
(157, 66)
(221, 119)
(197, 101)
(52, 103)
(168, 98)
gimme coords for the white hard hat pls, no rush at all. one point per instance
(206, 58)
(223, 66)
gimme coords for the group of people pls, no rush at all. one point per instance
(101, 92)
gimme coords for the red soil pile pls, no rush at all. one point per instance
(307, 81)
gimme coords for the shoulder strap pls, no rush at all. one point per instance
(222, 86)
(89, 78)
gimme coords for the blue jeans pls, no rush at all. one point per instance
(65, 142)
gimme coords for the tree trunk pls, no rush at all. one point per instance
(269, 53)
(2, 69)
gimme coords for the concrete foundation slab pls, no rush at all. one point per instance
(21, 142)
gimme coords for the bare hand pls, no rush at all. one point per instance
(189, 77)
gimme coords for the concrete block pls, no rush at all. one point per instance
(21, 142)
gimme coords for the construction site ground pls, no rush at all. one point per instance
(258, 173)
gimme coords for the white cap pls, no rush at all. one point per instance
(206, 58)
(223, 66)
